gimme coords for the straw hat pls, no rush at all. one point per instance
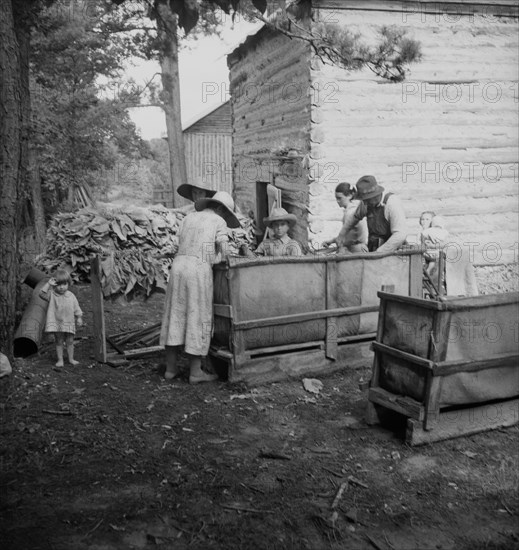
(221, 198)
(186, 189)
(367, 188)
(280, 214)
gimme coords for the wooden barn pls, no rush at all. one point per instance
(207, 146)
(207, 149)
(445, 139)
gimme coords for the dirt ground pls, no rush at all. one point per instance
(101, 458)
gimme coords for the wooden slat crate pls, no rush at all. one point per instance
(450, 366)
(277, 318)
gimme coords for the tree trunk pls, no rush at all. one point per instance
(38, 210)
(30, 215)
(168, 56)
(10, 171)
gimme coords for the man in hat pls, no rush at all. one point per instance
(279, 244)
(384, 213)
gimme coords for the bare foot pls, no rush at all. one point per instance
(170, 374)
(59, 364)
(73, 362)
(202, 377)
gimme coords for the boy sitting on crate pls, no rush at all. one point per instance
(278, 243)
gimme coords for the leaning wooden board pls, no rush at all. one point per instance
(277, 318)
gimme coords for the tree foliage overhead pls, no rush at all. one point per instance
(189, 11)
(80, 121)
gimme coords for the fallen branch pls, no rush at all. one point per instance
(243, 509)
(272, 454)
(355, 481)
(339, 494)
(94, 528)
(63, 413)
(337, 474)
(374, 542)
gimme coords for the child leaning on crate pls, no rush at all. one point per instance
(63, 313)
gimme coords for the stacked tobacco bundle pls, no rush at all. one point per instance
(243, 235)
(135, 246)
(131, 245)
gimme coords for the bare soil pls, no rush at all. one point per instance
(100, 458)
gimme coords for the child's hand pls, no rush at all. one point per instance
(52, 281)
(79, 322)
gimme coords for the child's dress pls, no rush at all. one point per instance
(188, 314)
(62, 312)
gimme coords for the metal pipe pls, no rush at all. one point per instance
(30, 330)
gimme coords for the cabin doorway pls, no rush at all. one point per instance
(267, 197)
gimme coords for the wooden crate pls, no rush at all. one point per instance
(287, 317)
(450, 366)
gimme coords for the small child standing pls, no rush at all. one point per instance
(435, 236)
(63, 313)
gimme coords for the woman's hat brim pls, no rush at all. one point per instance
(186, 190)
(230, 218)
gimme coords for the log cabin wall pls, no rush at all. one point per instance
(270, 100)
(446, 139)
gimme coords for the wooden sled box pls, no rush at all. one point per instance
(450, 366)
(276, 318)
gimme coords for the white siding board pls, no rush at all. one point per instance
(209, 156)
(369, 126)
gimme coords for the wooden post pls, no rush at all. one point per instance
(332, 328)
(98, 311)
(415, 275)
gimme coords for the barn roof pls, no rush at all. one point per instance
(206, 112)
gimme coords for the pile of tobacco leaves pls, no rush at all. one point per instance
(135, 246)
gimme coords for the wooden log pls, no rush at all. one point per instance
(357, 338)
(400, 404)
(460, 422)
(420, 361)
(243, 262)
(116, 360)
(223, 310)
(134, 353)
(136, 333)
(318, 344)
(114, 345)
(263, 370)
(451, 367)
(298, 317)
(433, 390)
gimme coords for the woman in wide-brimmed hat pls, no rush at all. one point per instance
(188, 314)
(197, 189)
(279, 243)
